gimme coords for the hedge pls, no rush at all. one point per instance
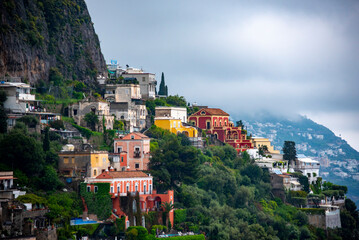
(314, 211)
(87, 133)
(188, 237)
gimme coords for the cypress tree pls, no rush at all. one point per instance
(289, 151)
(163, 87)
(46, 142)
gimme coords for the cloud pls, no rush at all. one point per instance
(242, 56)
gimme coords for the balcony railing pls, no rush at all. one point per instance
(136, 154)
(314, 166)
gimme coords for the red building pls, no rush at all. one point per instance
(124, 182)
(216, 122)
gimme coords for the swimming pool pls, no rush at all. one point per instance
(80, 221)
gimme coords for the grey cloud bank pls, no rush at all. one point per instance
(244, 56)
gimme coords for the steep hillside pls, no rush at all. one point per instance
(37, 35)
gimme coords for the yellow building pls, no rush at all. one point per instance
(175, 126)
(259, 142)
(83, 164)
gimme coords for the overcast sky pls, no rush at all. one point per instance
(244, 56)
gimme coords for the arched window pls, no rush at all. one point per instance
(136, 187)
(127, 187)
(95, 172)
(118, 188)
(144, 188)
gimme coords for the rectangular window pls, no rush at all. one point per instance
(119, 149)
(66, 160)
(121, 159)
(137, 165)
(73, 160)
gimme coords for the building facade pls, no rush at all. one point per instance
(147, 82)
(125, 183)
(101, 109)
(175, 126)
(260, 142)
(172, 113)
(78, 165)
(308, 167)
(216, 122)
(136, 148)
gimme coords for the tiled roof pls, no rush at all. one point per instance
(136, 135)
(123, 174)
(215, 111)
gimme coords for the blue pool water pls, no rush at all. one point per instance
(80, 221)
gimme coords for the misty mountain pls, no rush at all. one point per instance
(339, 161)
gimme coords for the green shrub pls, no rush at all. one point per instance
(99, 203)
(180, 216)
(301, 194)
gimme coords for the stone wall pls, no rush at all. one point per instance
(332, 219)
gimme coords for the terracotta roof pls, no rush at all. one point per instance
(123, 174)
(136, 135)
(214, 111)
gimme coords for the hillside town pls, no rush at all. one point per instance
(123, 172)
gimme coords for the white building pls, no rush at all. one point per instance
(147, 82)
(172, 113)
(19, 97)
(133, 113)
(308, 167)
(122, 92)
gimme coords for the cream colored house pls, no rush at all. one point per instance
(259, 142)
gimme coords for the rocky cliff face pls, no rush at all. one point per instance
(39, 35)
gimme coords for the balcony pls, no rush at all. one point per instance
(137, 154)
(307, 166)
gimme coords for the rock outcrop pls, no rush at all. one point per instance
(39, 35)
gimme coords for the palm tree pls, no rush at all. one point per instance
(167, 207)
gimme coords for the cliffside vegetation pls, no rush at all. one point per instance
(226, 196)
(38, 37)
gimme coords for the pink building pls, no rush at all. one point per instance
(136, 147)
(131, 182)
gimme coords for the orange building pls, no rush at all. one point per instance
(124, 182)
(216, 122)
(132, 152)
